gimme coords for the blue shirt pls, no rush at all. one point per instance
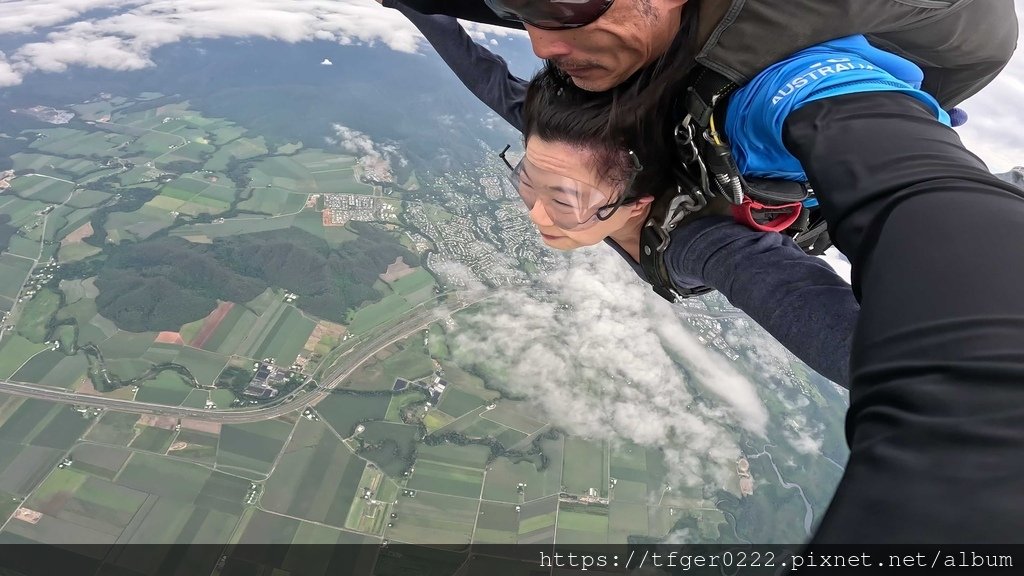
(757, 111)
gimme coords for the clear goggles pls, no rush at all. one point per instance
(569, 203)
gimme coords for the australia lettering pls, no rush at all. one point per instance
(818, 71)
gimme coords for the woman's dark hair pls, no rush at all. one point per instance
(555, 110)
(637, 115)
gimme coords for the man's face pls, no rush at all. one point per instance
(606, 52)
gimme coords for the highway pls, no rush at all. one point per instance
(416, 320)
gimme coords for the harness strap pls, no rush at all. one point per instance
(782, 215)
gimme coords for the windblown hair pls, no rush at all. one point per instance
(557, 111)
(637, 115)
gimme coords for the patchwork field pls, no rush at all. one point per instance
(434, 518)
(407, 360)
(317, 479)
(585, 467)
(252, 447)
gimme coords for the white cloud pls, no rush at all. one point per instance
(375, 159)
(124, 34)
(8, 75)
(995, 130)
(596, 351)
(327, 62)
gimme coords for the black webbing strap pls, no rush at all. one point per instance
(703, 94)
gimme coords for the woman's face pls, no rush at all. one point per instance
(566, 192)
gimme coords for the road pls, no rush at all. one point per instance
(354, 358)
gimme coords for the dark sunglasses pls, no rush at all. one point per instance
(551, 14)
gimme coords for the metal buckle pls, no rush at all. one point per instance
(682, 205)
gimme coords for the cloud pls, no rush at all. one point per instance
(327, 62)
(8, 75)
(994, 131)
(374, 158)
(596, 351)
(122, 34)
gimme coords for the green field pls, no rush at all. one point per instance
(457, 403)
(153, 439)
(167, 388)
(252, 446)
(28, 420)
(400, 401)
(267, 528)
(201, 446)
(413, 283)
(231, 331)
(15, 351)
(235, 226)
(582, 524)
(262, 328)
(585, 466)
(627, 519)
(138, 225)
(537, 521)
(392, 447)
(197, 398)
(475, 427)
(469, 456)
(498, 524)
(204, 366)
(434, 518)
(514, 415)
(127, 345)
(222, 398)
(87, 501)
(343, 411)
(317, 479)
(36, 369)
(116, 428)
(172, 479)
(503, 479)
(102, 461)
(410, 363)
(64, 428)
(371, 315)
(445, 479)
(286, 337)
(273, 201)
(23, 467)
(32, 324)
(13, 271)
(41, 189)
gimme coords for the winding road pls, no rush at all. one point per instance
(353, 358)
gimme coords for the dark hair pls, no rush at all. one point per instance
(558, 111)
(635, 116)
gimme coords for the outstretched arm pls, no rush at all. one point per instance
(485, 74)
(797, 298)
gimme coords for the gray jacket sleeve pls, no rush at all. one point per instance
(797, 298)
(485, 74)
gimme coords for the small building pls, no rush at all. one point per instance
(260, 392)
